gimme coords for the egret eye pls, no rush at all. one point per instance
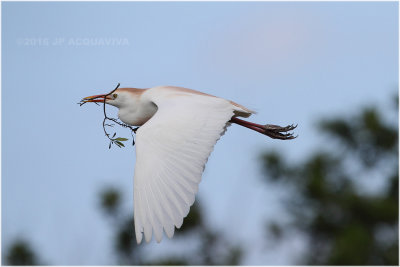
(115, 96)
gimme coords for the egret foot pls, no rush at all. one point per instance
(278, 132)
(270, 130)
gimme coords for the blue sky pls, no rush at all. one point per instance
(291, 62)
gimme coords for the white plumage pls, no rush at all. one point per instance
(179, 128)
(171, 151)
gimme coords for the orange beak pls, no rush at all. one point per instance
(96, 98)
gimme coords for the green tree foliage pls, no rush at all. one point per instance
(344, 223)
(21, 253)
(212, 249)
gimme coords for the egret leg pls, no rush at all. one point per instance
(270, 130)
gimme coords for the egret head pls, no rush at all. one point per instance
(118, 98)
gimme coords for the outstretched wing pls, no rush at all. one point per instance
(172, 149)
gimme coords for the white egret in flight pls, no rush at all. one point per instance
(178, 129)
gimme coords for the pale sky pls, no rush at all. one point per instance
(291, 62)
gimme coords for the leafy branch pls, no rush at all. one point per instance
(117, 141)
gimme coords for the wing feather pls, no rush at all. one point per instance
(172, 149)
(138, 218)
(157, 215)
(168, 214)
(148, 223)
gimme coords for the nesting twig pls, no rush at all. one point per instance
(117, 141)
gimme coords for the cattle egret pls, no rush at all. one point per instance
(178, 130)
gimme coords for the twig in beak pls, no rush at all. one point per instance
(118, 141)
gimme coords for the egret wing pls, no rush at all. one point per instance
(172, 149)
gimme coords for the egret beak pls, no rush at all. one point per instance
(96, 98)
